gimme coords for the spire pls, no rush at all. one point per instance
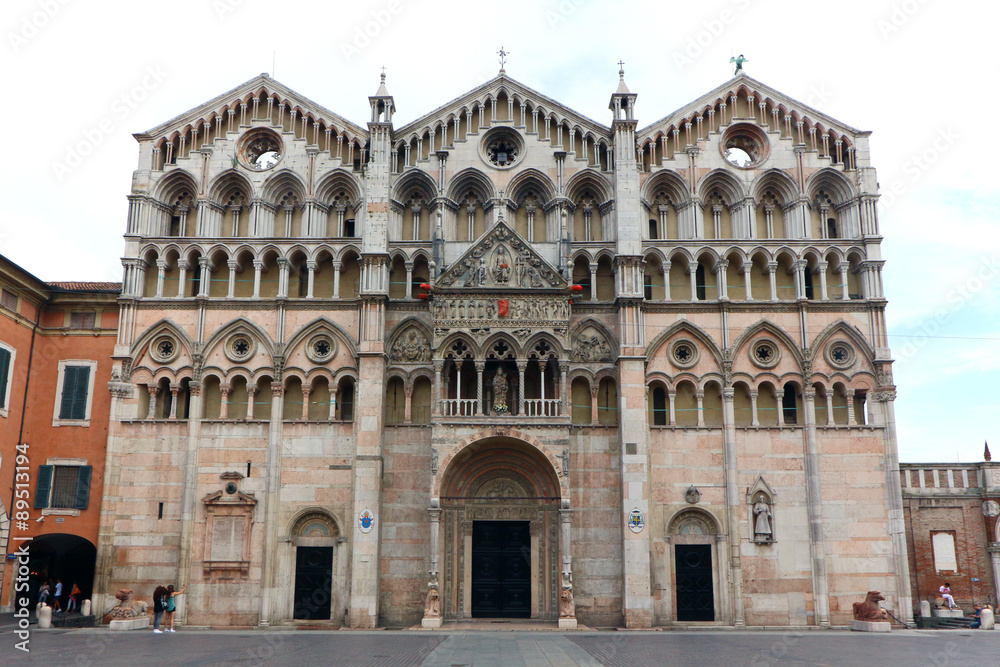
(986, 453)
(622, 88)
(382, 90)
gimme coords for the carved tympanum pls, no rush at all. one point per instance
(410, 347)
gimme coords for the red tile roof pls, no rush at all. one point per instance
(87, 286)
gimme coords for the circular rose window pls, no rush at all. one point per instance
(164, 349)
(840, 354)
(260, 149)
(321, 348)
(502, 147)
(744, 146)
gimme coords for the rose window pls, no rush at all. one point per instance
(502, 153)
(763, 353)
(241, 347)
(682, 353)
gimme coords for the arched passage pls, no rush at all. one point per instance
(65, 557)
(500, 500)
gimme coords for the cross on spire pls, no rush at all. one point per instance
(621, 69)
(502, 57)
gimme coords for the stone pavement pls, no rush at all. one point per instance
(751, 648)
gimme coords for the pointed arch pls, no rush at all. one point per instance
(240, 324)
(729, 188)
(667, 181)
(768, 327)
(160, 327)
(229, 180)
(279, 183)
(414, 180)
(471, 179)
(692, 330)
(779, 182)
(534, 180)
(841, 327)
(337, 181)
(831, 181)
(589, 179)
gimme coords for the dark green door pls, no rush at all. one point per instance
(501, 566)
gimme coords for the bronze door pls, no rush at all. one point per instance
(313, 582)
(501, 566)
(695, 597)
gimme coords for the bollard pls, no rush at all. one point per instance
(45, 617)
(986, 619)
(85, 608)
(925, 608)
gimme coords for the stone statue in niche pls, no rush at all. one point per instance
(432, 607)
(500, 386)
(501, 267)
(520, 266)
(762, 519)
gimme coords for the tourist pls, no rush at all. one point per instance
(975, 625)
(44, 592)
(74, 598)
(171, 605)
(57, 596)
(946, 594)
(159, 606)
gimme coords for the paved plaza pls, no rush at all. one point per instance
(835, 648)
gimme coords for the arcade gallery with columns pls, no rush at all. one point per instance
(504, 361)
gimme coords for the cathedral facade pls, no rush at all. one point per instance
(504, 361)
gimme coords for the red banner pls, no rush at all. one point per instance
(502, 306)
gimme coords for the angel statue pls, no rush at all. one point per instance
(739, 63)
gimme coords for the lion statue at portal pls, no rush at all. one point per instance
(128, 607)
(870, 610)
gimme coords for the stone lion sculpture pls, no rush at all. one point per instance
(566, 607)
(870, 610)
(127, 607)
(432, 607)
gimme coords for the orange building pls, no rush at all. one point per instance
(56, 342)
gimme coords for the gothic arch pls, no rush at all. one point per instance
(407, 324)
(160, 327)
(832, 180)
(777, 180)
(413, 180)
(498, 436)
(766, 326)
(669, 181)
(471, 179)
(589, 179)
(333, 182)
(240, 323)
(841, 326)
(531, 179)
(692, 330)
(322, 324)
(226, 181)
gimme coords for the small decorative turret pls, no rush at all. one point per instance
(382, 103)
(623, 101)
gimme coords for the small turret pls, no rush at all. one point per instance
(382, 103)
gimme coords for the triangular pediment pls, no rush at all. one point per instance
(261, 85)
(513, 90)
(501, 260)
(745, 85)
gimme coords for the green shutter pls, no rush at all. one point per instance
(44, 487)
(83, 487)
(4, 370)
(76, 383)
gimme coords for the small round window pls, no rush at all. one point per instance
(764, 353)
(840, 354)
(164, 349)
(239, 348)
(683, 354)
(321, 348)
(260, 150)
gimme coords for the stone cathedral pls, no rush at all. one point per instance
(504, 361)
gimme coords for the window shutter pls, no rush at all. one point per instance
(83, 487)
(4, 370)
(44, 487)
(76, 382)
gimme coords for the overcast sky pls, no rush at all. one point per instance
(85, 75)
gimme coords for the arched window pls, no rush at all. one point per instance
(789, 403)
(395, 402)
(658, 406)
(581, 401)
(607, 402)
(345, 400)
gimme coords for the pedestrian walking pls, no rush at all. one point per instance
(171, 606)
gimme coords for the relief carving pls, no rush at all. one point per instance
(592, 347)
(411, 347)
(501, 259)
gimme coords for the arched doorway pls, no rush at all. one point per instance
(500, 513)
(694, 534)
(318, 581)
(69, 558)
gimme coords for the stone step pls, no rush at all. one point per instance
(73, 621)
